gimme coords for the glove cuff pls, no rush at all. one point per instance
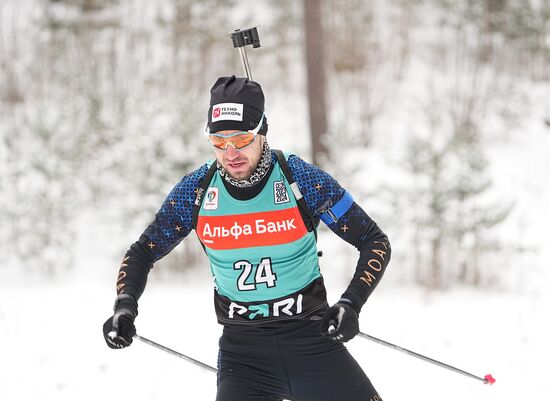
(349, 302)
(127, 303)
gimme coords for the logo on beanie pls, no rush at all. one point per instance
(227, 111)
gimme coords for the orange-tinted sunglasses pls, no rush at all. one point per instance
(239, 140)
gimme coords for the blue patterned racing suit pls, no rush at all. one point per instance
(269, 291)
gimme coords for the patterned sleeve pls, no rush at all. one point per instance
(319, 189)
(336, 207)
(172, 223)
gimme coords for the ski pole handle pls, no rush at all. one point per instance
(332, 326)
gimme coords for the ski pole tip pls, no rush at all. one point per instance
(489, 379)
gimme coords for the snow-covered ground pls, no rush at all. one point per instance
(52, 347)
(51, 343)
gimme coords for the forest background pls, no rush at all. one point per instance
(434, 114)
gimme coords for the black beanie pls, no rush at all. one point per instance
(236, 104)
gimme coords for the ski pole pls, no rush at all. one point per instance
(487, 379)
(176, 353)
(242, 38)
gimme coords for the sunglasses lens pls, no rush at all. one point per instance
(243, 140)
(238, 141)
(217, 141)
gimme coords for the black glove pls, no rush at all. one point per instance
(119, 330)
(344, 319)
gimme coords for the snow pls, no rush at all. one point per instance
(52, 345)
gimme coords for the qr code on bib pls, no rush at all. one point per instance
(281, 195)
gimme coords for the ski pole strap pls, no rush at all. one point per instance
(176, 353)
(487, 379)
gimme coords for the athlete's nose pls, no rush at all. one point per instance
(231, 152)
